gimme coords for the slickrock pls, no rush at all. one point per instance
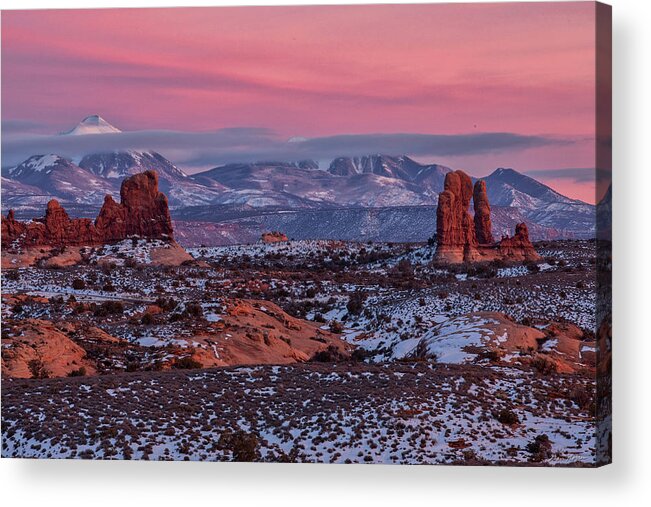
(40, 350)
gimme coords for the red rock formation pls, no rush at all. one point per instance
(455, 230)
(142, 212)
(146, 209)
(483, 225)
(460, 238)
(273, 237)
(11, 228)
(518, 247)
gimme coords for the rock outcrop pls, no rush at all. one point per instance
(142, 212)
(462, 238)
(493, 336)
(518, 247)
(455, 230)
(483, 225)
(38, 349)
(273, 237)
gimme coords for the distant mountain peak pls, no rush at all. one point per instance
(391, 166)
(501, 171)
(38, 163)
(93, 124)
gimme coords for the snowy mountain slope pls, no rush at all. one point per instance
(507, 187)
(540, 204)
(17, 195)
(59, 177)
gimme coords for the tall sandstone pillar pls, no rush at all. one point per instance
(483, 225)
(455, 229)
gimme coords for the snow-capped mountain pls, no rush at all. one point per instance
(402, 167)
(93, 124)
(120, 164)
(287, 184)
(56, 176)
(507, 187)
(539, 203)
(117, 165)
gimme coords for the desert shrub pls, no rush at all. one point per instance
(482, 270)
(147, 319)
(336, 327)
(359, 355)
(78, 284)
(310, 293)
(507, 416)
(108, 308)
(108, 267)
(532, 267)
(583, 397)
(175, 317)
(404, 269)
(540, 448)
(13, 275)
(37, 369)
(80, 372)
(132, 366)
(167, 304)
(492, 355)
(242, 445)
(356, 303)
(330, 355)
(186, 363)
(544, 365)
(193, 310)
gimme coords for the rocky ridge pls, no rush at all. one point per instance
(142, 212)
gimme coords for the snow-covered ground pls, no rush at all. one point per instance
(374, 414)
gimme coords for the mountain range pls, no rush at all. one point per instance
(271, 194)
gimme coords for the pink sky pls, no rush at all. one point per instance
(521, 68)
